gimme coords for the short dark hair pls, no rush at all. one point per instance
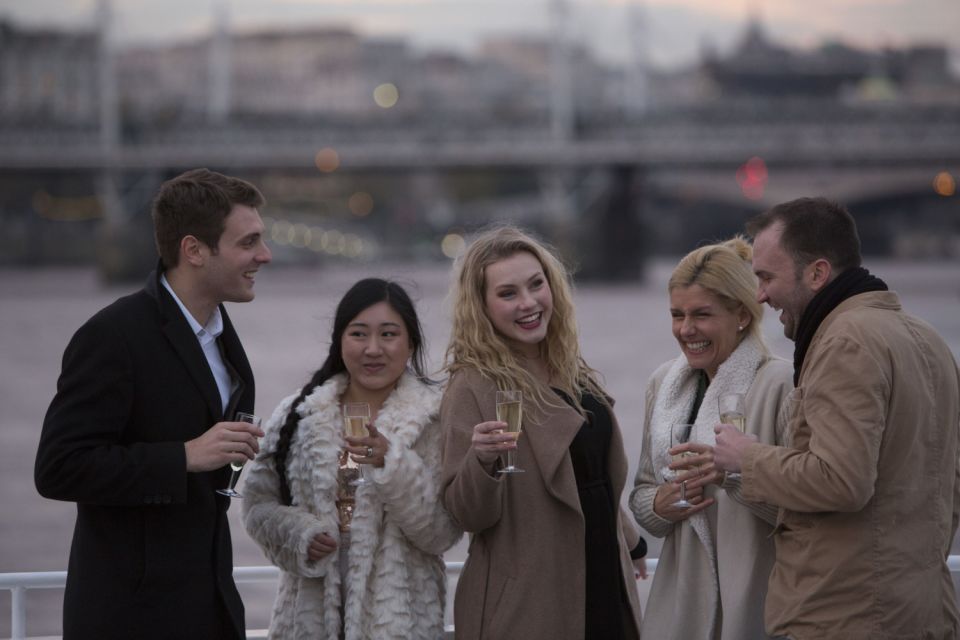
(196, 203)
(361, 296)
(813, 228)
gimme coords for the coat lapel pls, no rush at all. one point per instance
(235, 358)
(234, 355)
(550, 433)
(239, 387)
(187, 347)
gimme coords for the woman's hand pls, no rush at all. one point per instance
(640, 568)
(371, 450)
(695, 471)
(669, 492)
(490, 439)
(701, 467)
(320, 547)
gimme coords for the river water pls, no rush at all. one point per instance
(625, 334)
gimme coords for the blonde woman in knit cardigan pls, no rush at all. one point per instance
(550, 551)
(711, 578)
(366, 562)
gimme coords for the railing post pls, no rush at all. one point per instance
(18, 613)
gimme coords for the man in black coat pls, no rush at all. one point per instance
(140, 433)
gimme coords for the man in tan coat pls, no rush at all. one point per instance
(868, 489)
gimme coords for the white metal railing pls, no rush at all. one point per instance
(19, 583)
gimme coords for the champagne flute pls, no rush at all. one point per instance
(510, 410)
(356, 419)
(235, 467)
(732, 410)
(680, 434)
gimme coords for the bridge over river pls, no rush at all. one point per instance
(610, 181)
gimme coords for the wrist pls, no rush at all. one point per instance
(186, 458)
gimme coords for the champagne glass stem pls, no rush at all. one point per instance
(231, 490)
(236, 467)
(234, 476)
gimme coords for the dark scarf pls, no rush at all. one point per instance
(848, 284)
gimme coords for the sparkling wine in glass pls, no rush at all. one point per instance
(510, 410)
(356, 419)
(679, 434)
(236, 467)
(732, 410)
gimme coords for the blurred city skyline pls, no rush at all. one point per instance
(675, 32)
(372, 143)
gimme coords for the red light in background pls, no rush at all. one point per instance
(752, 178)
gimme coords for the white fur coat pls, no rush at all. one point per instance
(399, 528)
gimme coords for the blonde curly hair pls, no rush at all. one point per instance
(724, 269)
(475, 343)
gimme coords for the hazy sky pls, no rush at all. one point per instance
(675, 29)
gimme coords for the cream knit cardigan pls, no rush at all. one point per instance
(399, 529)
(695, 579)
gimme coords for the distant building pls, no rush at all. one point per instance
(449, 87)
(759, 68)
(290, 72)
(52, 78)
(161, 84)
(48, 77)
(297, 72)
(595, 88)
(333, 72)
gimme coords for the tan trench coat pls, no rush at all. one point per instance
(525, 572)
(869, 492)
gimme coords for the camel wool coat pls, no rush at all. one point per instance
(870, 489)
(399, 528)
(525, 573)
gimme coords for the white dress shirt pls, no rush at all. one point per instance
(207, 335)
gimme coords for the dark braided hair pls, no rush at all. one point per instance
(362, 295)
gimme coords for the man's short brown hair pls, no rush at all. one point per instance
(813, 228)
(196, 203)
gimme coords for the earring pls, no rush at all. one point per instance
(740, 328)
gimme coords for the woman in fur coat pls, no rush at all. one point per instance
(364, 561)
(711, 579)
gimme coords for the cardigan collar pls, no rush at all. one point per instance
(674, 401)
(678, 389)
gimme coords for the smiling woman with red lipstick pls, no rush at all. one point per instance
(717, 555)
(550, 556)
(356, 561)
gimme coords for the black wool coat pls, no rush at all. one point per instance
(151, 554)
